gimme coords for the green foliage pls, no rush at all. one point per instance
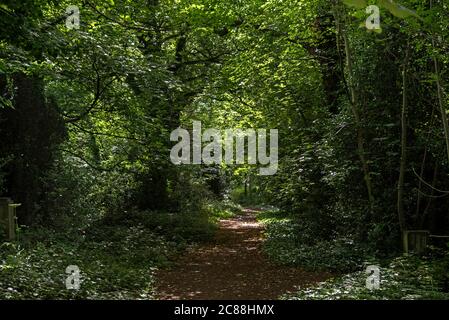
(117, 255)
(407, 278)
(248, 198)
(113, 268)
(393, 7)
(79, 195)
(293, 242)
(222, 209)
(397, 9)
(360, 4)
(179, 227)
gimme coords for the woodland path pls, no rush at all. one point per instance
(232, 267)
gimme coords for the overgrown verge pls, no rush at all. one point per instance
(404, 278)
(290, 242)
(408, 277)
(116, 255)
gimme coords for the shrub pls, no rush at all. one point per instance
(294, 243)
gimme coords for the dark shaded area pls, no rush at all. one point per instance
(29, 131)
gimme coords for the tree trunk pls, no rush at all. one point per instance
(355, 106)
(403, 161)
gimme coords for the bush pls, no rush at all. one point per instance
(293, 243)
(222, 209)
(78, 195)
(178, 227)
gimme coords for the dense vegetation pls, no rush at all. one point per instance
(86, 115)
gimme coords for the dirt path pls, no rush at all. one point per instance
(232, 267)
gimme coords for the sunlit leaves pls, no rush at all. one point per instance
(393, 7)
(359, 4)
(397, 9)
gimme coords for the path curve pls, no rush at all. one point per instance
(232, 267)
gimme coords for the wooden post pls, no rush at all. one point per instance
(12, 221)
(8, 217)
(4, 213)
(415, 241)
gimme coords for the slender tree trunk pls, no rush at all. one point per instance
(403, 162)
(355, 107)
(421, 174)
(423, 166)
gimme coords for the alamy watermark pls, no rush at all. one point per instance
(73, 17)
(373, 21)
(373, 279)
(73, 281)
(190, 150)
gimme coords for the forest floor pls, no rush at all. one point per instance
(231, 267)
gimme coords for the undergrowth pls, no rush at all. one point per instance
(289, 242)
(404, 278)
(117, 255)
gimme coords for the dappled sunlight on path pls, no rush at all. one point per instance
(231, 267)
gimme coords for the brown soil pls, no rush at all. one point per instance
(232, 267)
